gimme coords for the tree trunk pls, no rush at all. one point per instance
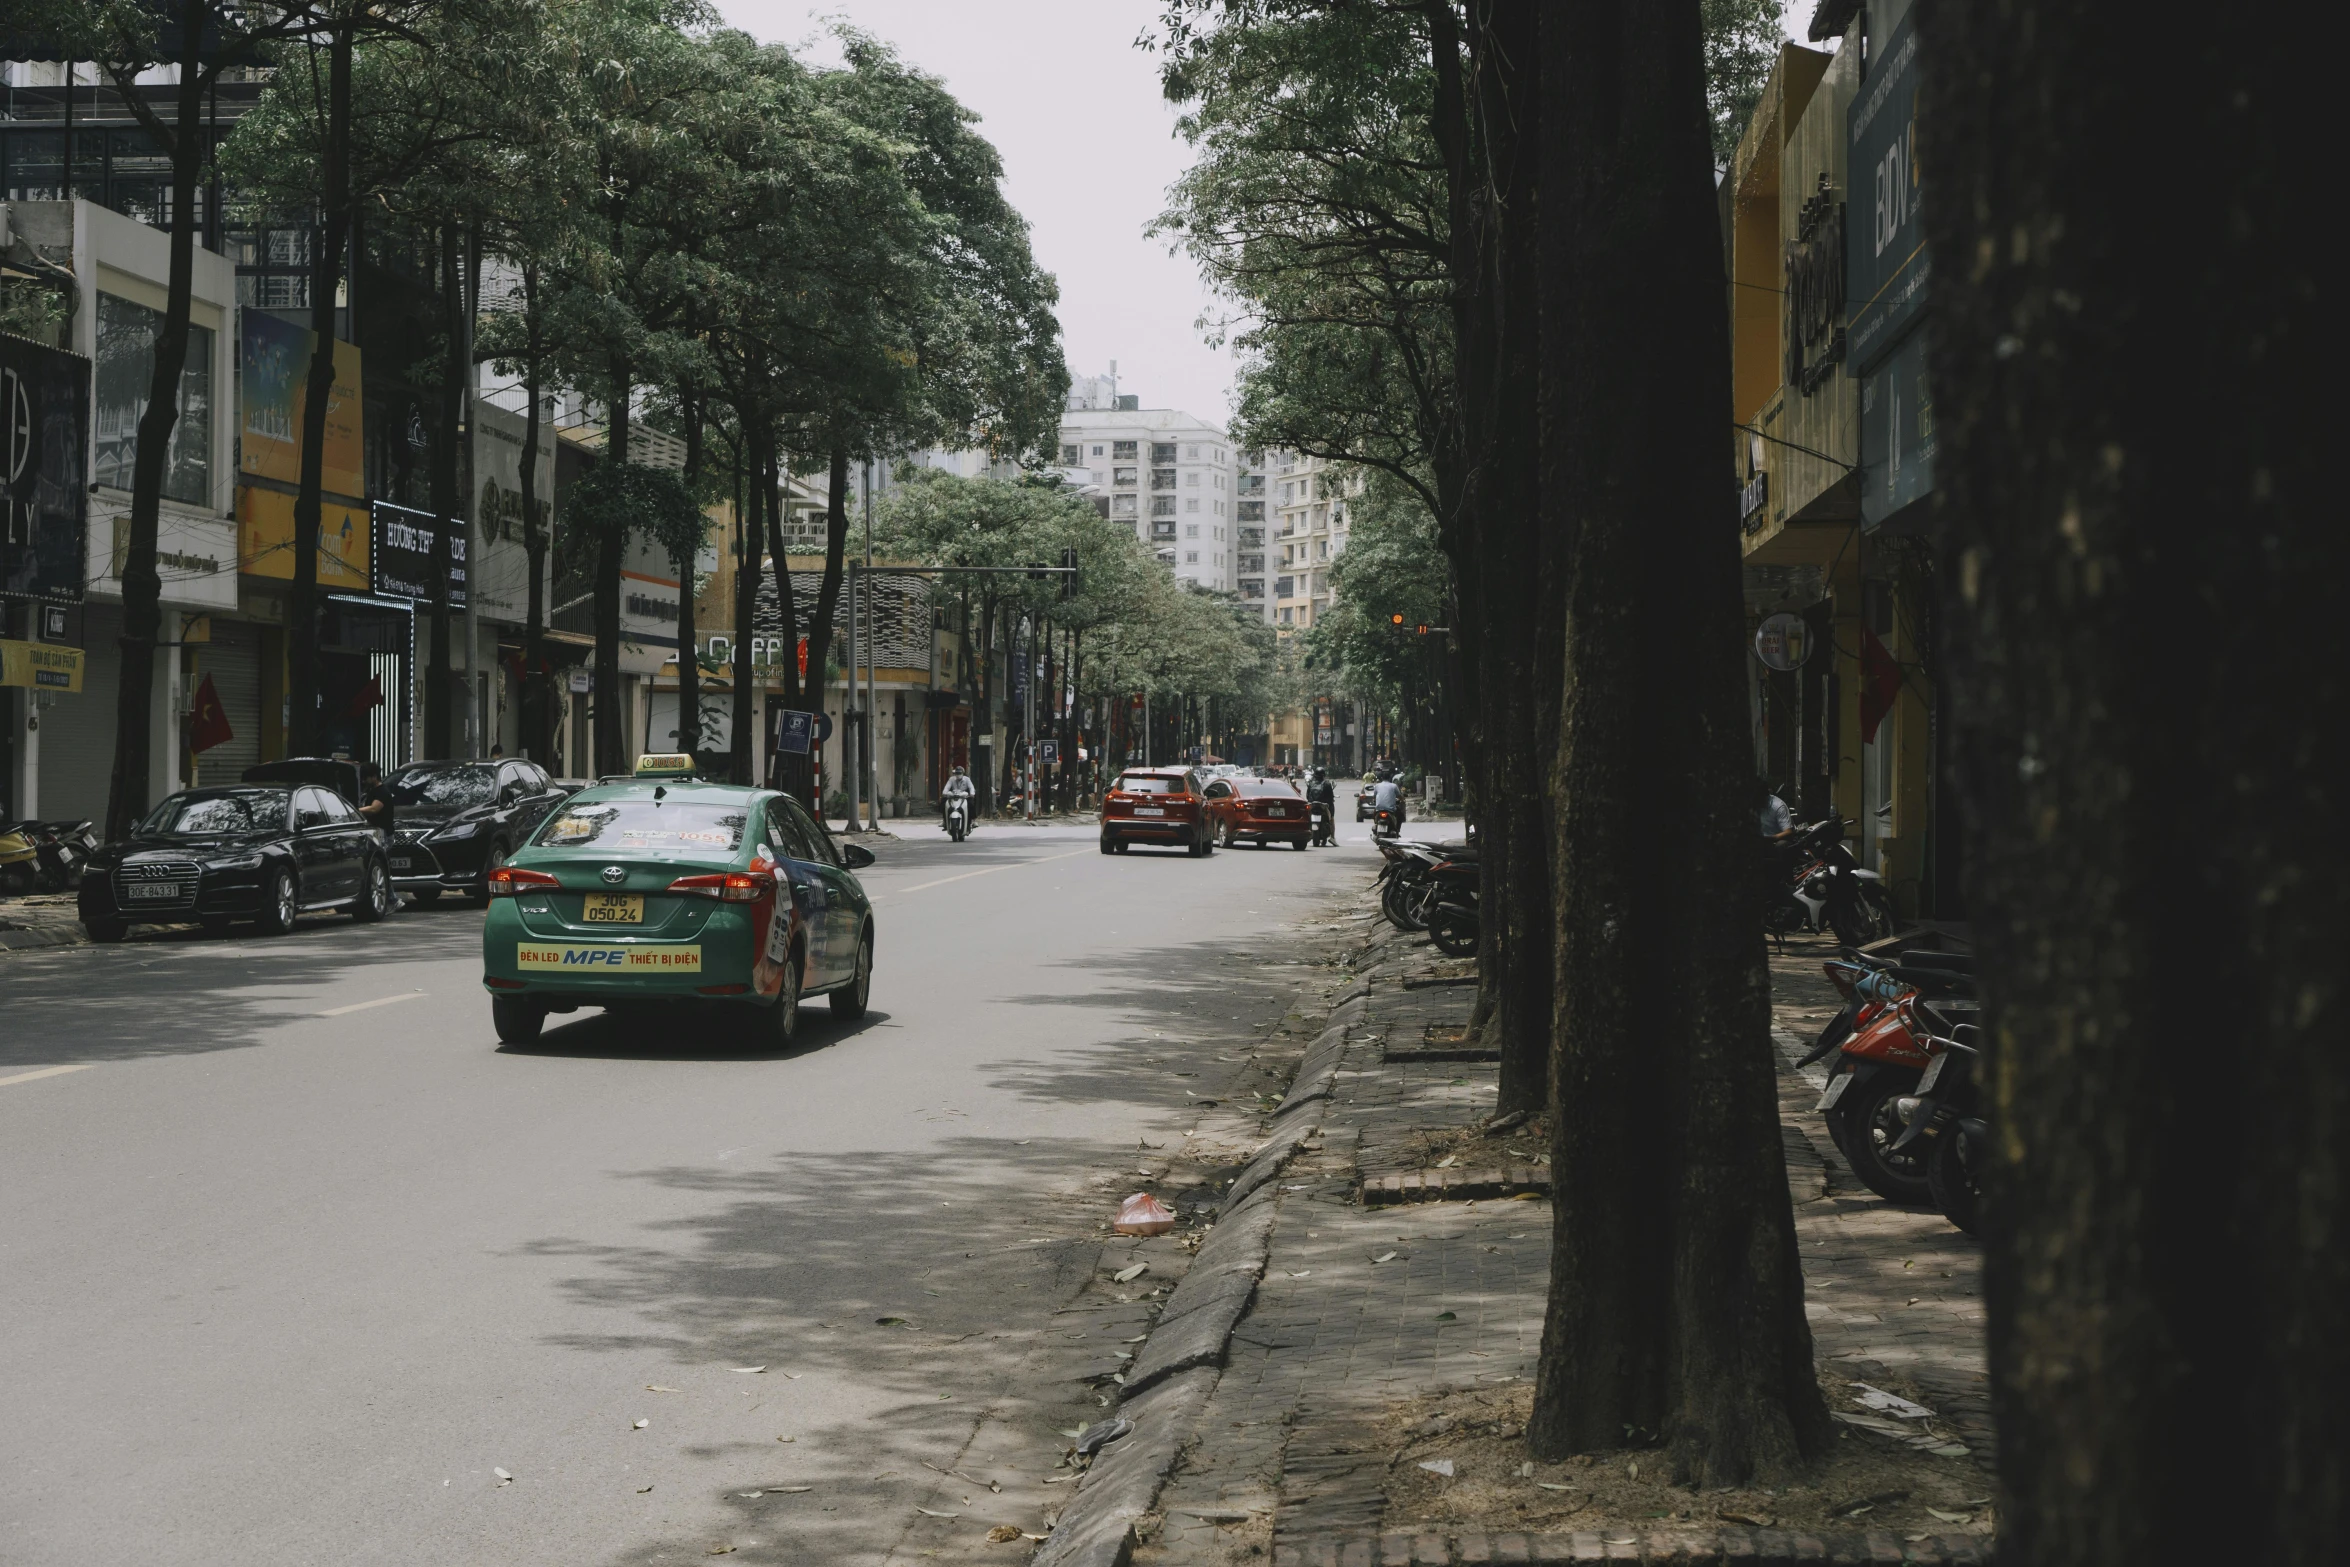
(983, 721)
(836, 537)
(799, 768)
(1676, 1299)
(537, 710)
(2166, 1276)
(302, 736)
(611, 556)
(689, 671)
(142, 584)
(440, 689)
(750, 735)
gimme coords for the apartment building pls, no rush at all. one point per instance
(1167, 474)
(1309, 500)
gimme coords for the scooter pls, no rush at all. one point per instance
(1325, 828)
(1451, 910)
(1896, 1034)
(20, 858)
(1824, 888)
(958, 816)
(1387, 824)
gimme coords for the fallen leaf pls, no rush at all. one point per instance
(1949, 1450)
(655, 1387)
(719, 1550)
(1447, 1316)
(1438, 1466)
(1751, 1520)
(1634, 1468)
(927, 1513)
(1002, 1534)
(1385, 1256)
(1950, 1517)
(787, 1439)
(1890, 1403)
(1861, 1504)
(1309, 1273)
(1125, 1274)
(1619, 1539)
(791, 1490)
(750, 1496)
(642, 1489)
(1448, 1161)
(640, 1425)
(1548, 1486)
(748, 1371)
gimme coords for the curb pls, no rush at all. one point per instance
(1456, 1185)
(1744, 1547)
(26, 937)
(1178, 1365)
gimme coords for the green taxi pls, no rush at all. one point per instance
(664, 888)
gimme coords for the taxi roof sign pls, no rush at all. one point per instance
(665, 764)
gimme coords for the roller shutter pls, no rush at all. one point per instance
(233, 659)
(77, 731)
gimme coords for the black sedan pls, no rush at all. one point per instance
(455, 822)
(256, 853)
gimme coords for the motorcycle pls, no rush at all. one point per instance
(1387, 824)
(45, 856)
(1451, 911)
(1896, 1022)
(1949, 1123)
(958, 816)
(1821, 886)
(1325, 825)
(20, 857)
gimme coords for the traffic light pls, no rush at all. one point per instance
(1399, 620)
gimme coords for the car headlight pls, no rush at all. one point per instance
(251, 862)
(458, 830)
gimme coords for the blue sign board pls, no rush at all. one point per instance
(793, 731)
(1896, 432)
(1887, 266)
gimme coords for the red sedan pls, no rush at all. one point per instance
(1267, 810)
(1157, 805)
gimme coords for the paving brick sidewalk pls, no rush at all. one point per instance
(41, 920)
(1363, 1307)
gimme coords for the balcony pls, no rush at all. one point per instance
(1123, 478)
(1162, 478)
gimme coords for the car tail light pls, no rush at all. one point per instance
(506, 881)
(729, 887)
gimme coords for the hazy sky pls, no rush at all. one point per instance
(1089, 149)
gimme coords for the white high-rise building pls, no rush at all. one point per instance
(1173, 478)
(1310, 501)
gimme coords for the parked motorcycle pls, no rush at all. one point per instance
(1950, 1123)
(1897, 1019)
(1818, 885)
(1451, 911)
(20, 859)
(958, 816)
(44, 856)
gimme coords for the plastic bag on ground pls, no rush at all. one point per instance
(1143, 1214)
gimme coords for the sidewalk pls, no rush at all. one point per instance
(1400, 1313)
(41, 919)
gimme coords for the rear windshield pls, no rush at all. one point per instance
(459, 786)
(1134, 783)
(203, 815)
(1272, 786)
(653, 826)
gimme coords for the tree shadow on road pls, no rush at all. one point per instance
(690, 1032)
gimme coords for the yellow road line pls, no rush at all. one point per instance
(47, 1071)
(989, 871)
(380, 1001)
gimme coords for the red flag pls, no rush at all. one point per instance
(367, 698)
(1880, 684)
(208, 724)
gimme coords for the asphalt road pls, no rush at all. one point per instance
(294, 1259)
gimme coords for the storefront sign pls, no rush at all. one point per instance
(1896, 432)
(275, 388)
(1782, 642)
(44, 469)
(40, 665)
(265, 539)
(502, 573)
(195, 556)
(1887, 261)
(403, 561)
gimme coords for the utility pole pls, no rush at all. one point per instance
(1028, 717)
(865, 746)
(469, 281)
(848, 712)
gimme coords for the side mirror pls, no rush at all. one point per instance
(856, 856)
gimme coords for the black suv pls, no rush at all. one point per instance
(455, 822)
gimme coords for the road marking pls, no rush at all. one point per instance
(47, 1071)
(989, 871)
(380, 1001)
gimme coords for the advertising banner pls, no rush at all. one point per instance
(403, 553)
(265, 539)
(44, 469)
(276, 374)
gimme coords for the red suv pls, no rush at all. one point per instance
(1270, 810)
(1157, 805)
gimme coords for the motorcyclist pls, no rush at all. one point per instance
(1388, 796)
(958, 784)
(1319, 788)
(1322, 805)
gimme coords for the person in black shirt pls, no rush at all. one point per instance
(375, 801)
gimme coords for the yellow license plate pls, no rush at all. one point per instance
(615, 908)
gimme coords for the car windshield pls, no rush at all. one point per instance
(653, 826)
(216, 815)
(1143, 783)
(1272, 786)
(457, 786)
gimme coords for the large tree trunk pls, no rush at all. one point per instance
(1676, 1300)
(749, 730)
(302, 737)
(537, 709)
(142, 583)
(440, 688)
(799, 768)
(689, 671)
(611, 556)
(836, 537)
(2158, 869)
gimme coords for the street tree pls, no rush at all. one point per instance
(1676, 1295)
(2165, 1276)
(203, 39)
